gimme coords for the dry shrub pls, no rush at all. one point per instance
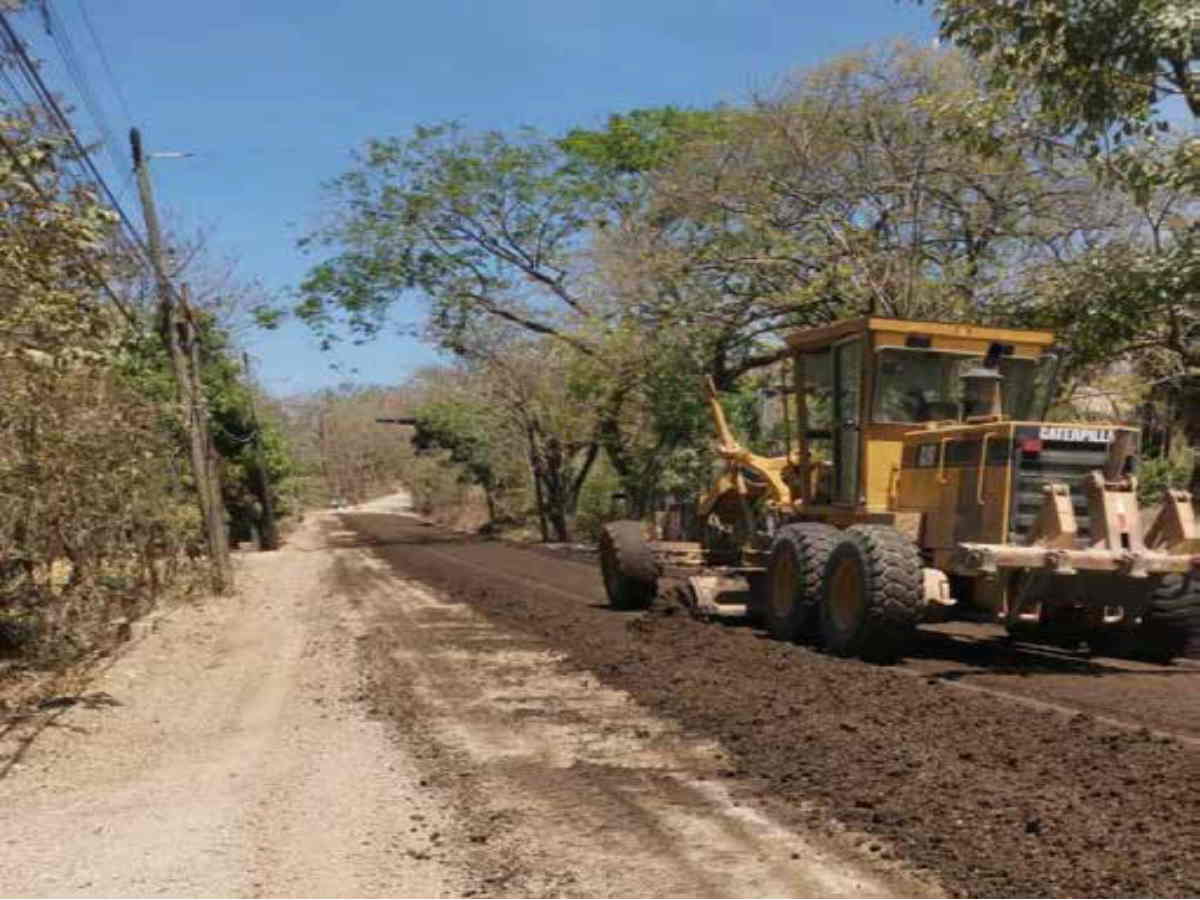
(95, 525)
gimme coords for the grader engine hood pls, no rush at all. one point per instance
(986, 482)
(1047, 454)
(1073, 506)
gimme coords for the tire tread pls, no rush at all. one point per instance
(811, 543)
(1171, 624)
(895, 593)
(623, 544)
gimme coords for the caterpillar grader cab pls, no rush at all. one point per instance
(920, 481)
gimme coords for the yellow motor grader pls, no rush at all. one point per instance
(920, 483)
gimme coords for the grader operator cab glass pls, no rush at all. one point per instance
(832, 388)
(919, 385)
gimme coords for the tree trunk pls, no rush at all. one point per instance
(558, 523)
(491, 504)
(555, 489)
(267, 530)
(639, 482)
(556, 479)
(590, 454)
(535, 468)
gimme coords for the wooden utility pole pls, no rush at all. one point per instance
(268, 533)
(179, 337)
(322, 449)
(189, 337)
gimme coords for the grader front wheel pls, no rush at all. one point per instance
(871, 594)
(627, 563)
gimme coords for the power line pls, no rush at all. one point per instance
(37, 101)
(101, 281)
(87, 20)
(116, 84)
(46, 99)
(78, 74)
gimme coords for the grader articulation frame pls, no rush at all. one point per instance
(922, 484)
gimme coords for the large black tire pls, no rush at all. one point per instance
(628, 565)
(1171, 624)
(872, 594)
(799, 553)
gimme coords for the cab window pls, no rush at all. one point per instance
(914, 385)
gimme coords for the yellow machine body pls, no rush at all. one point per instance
(936, 437)
(885, 434)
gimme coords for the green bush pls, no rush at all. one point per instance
(1157, 474)
(595, 505)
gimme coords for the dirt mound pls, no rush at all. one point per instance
(996, 798)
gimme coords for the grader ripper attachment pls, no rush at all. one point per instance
(920, 482)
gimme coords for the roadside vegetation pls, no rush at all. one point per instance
(98, 514)
(580, 285)
(583, 283)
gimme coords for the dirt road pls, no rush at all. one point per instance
(993, 791)
(342, 728)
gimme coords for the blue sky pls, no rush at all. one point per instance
(272, 95)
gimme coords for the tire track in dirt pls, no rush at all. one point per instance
(994, 797)
(564, 786)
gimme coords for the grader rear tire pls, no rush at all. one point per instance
(793, 584)
(1171, 624)
(872, 594)
(627, 563)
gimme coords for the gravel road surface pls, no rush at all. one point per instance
(343, 728)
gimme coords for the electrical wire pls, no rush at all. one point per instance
(98, 277)
(46, 98)
(90, 174)
(78, 74)
(114, 81)
(101, 281)
(87, 21)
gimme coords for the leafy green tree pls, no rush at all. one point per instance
(466, 427)
(481, 225)
(144, 366)
(539, 402)
(846, 193)
(494, 228)
(1096, 65)
(1105, 73)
